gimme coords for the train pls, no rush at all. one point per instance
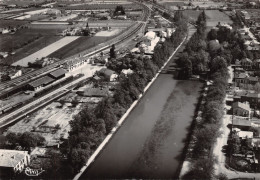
(10, 108)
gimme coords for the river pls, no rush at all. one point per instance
(150, 142)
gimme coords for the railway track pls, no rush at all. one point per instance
(22, 80)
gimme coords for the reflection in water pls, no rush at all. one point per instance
(150, 142)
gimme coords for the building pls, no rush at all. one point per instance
(241, 109)
(40, 83)
(75, 63)
(247, 63)
(108, 74)
(240, 123)
(58, 74)
(245, 134)
(244, 80)
(13, 160)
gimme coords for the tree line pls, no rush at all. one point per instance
(90, 126)
(211, 52)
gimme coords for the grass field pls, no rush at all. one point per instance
(12, 23)
(46, 51)
(215, 16)
(78, 46)
(192, 14)
(30, 49)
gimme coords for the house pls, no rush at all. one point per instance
(13, 160)
(15, 74)
(257, 64)
(38, 84)
(240, 123)
(3, 54)
(252, 98)
(108, 74)
(241, 109)
(247, 63)
(244, 80)
(75, 63)
(256, 142)
(127, 71)
(58, 74)
(245, 134)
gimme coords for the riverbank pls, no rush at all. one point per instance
(123, 118)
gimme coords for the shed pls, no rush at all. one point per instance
(39, 83)
(58, 74)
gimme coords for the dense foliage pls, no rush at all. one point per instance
(90, 126)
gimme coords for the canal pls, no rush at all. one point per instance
(151, 141)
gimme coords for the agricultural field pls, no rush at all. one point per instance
(30, 49)
(52, 122)
(108, 33)
(79, 45)
(101, 6)
(46, 51)
(208, 4)
(254, 14)
(192, 15)
(22, 3)
(12, 23)
(110, 23)
(215, 16)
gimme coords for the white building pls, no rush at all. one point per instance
(16, 160)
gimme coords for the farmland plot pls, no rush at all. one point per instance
(215, 16)
(46, 51)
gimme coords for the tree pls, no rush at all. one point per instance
(112, 52)
(5, 77)
(29, 139)
(234, 144)
(222, 176)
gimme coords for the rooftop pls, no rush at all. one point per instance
(241, 122)
(241, 105)
(10, 158)
(41, 81)
(245, 134)
(58, 73)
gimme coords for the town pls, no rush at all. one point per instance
(120, 89)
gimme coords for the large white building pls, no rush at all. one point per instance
(13, 159)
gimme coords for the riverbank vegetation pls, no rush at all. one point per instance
(90, 126)
(209, 53)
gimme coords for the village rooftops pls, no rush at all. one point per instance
(41, 81)
(242, 106)
(10, 158)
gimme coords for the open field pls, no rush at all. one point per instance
(81, 44)
(101, 6)
(46, 51)
(192, 14)
(11, 42)
(215, 16)
(46, 121)
(23, 3)
(12, 23)
(111, 23)
(108, 33)
(30, 49)
(208, 4)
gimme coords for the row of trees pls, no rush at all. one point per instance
(91, 125)
(207, 130)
